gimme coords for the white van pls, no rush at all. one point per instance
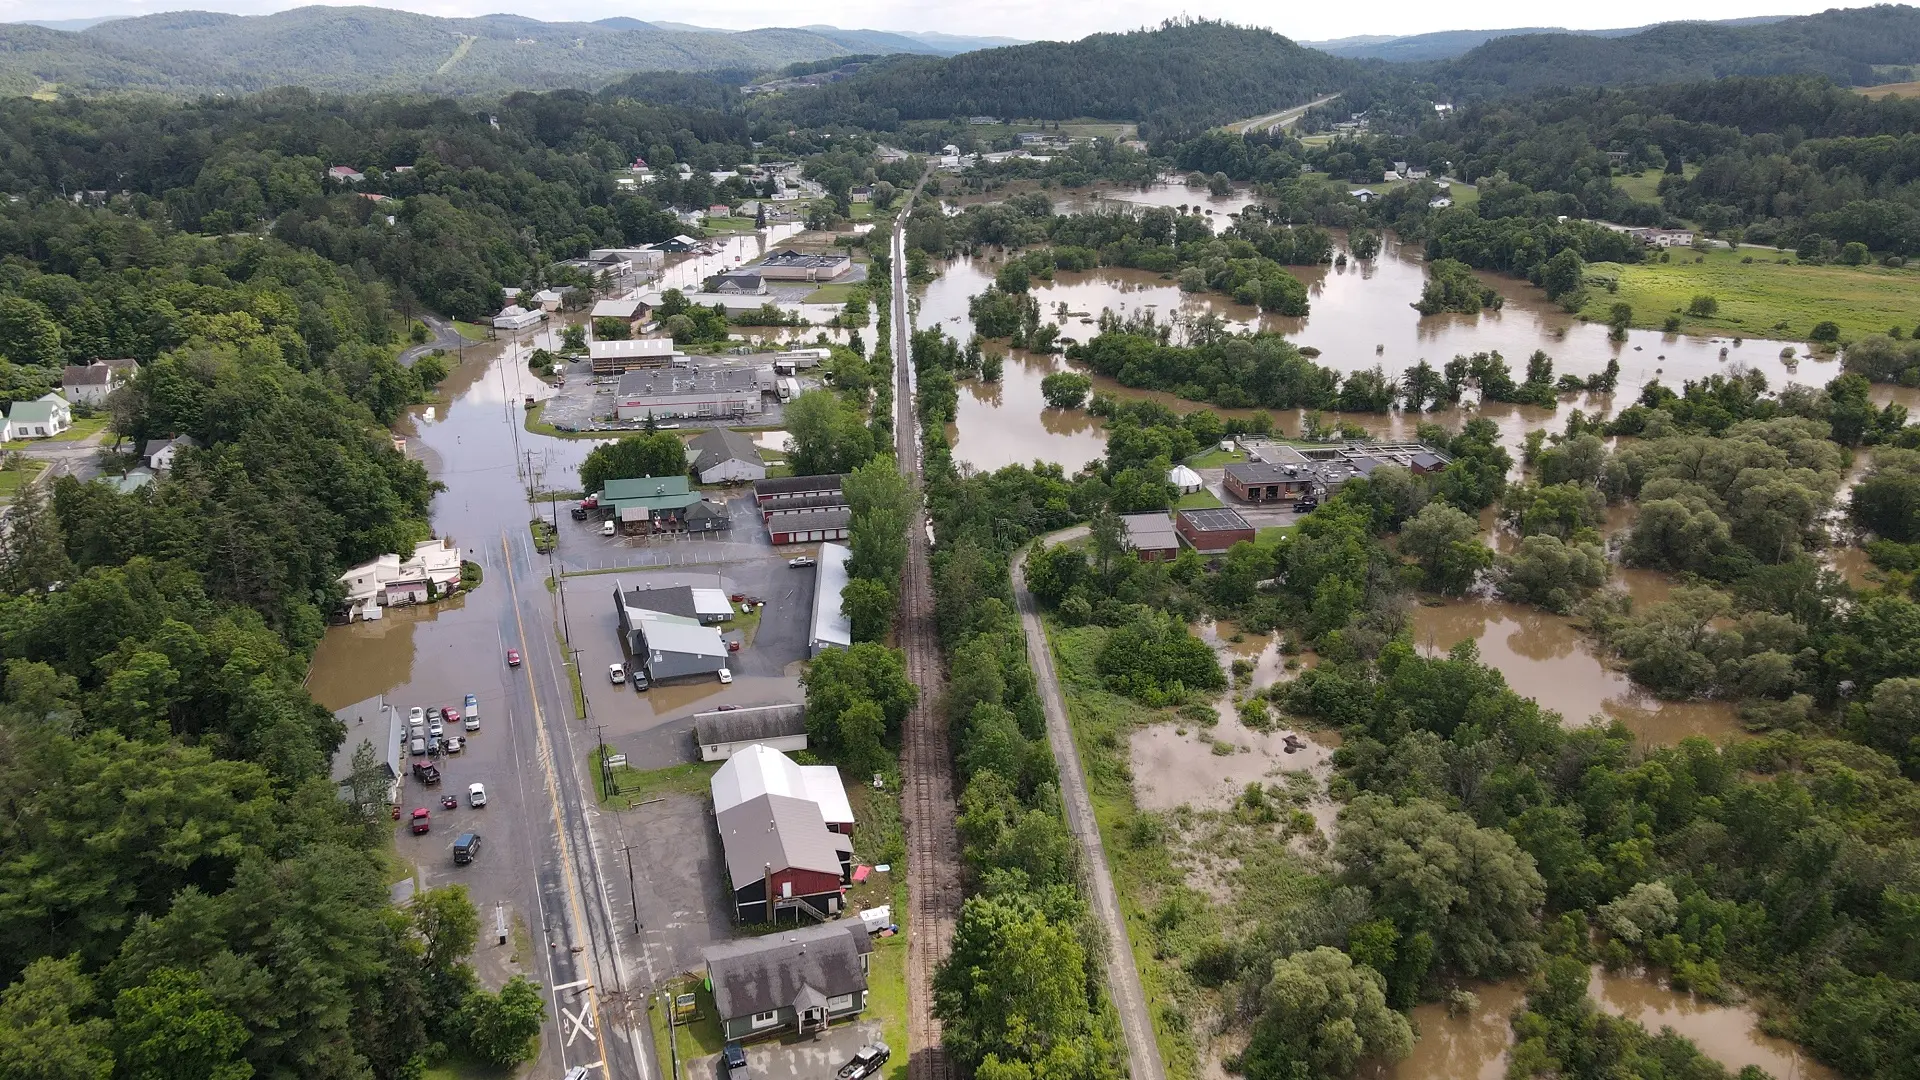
(472, 713)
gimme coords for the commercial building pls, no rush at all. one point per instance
(515, 317)
(666, 393)
(702, 605)
(722, 733)
(668, 646)
(1279, 472)
(802, 980)
(1211, 532)
(646, 504)
(1264, 481)
(790, 265)
(614, 357)
(1151, 537)
(831, 627)
(376, 724)
(724, 456)
(633, 313)
(430, 572)
(808, 526)
(784, 493)
(758, 770)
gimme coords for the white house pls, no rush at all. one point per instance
(43, 418)
(92, 383)
(721, 456)
(160, 455)
(432, 570)
(515, 317)
(548, 299)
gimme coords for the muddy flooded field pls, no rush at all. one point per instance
(1474, 1046)
(1362, 316)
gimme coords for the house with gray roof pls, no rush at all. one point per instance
(802, 979)
(722, 731)
(723, 456)
(668, 646)
(781, 858)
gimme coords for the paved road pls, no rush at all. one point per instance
(1283, 118)
(444, 337)
(1123, 980)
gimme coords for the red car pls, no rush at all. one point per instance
(513, 657)
(733, 646)
(421, 821)
(450, 714)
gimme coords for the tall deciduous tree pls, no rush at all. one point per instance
(1321, 1015)
(657, 454)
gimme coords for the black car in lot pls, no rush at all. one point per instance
(733, 1063)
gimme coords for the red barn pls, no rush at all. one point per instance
(782, 857)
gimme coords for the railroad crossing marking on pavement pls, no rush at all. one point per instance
(579, 1025)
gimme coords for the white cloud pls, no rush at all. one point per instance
(1061, 19)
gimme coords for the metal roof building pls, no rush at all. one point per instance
(757, 770)
(722, 733)
(831, 627)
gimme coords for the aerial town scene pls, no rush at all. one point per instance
(573, 545)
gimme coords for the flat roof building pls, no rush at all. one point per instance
(790, 265)
(831, 627)
(1151, 536)
(1211, 532)
(625, 354)
(667, 392)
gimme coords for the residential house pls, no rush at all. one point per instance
(759, 770)
(790, 265)
(739, 283)
(379, 725)
(1364, 195)
(633, 313)
(703, 517)
(549, 299)
(665, 393)
(1439, 202)
(648, 504)
(1151, 537)
(721, 734)
(721, 456)
(160, 455)
(668, 646)
(719, 210)
(1212, 532)
(430, 572)
(345, 174)
(803, 979)
(91, 383)
(861, 194)
(619, 355)
(515, 317)
(831, 627)
(42, 418)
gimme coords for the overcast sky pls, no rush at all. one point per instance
(1059, 19)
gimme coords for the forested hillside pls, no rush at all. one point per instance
(1844, 45)
(360, 49)
(1182, 76)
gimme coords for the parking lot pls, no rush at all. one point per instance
(745, 541)
(814, 1057)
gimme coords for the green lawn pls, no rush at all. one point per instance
(686, 1042)
(81, 429)
(1272, 533)
(728, 224)
(1215, 457)
(831, 294)
(471, 331)
(1198, 500)
(860, 211)
(887, 989)
(748, 625)
(1758, 299)
(637, 786)
(11, 480)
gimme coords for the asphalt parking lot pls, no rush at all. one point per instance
(583, 548)
(813, 1057)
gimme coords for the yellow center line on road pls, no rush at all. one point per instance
(559, 826)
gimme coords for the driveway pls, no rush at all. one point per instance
(444, 337)
(812, 1057)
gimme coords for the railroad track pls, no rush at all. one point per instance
(933, 842)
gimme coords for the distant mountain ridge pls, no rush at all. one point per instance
(1447, 44)
(354, 49)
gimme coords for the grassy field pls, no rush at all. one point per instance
(1271, 534)
(637, 786)
(11, 480)
(831, 294)
(1214, 458)
(728, 224)
(1762, 298)
(470, 331)
(860, 211)
(1197, 500)
(1904, 89)
(689, 1041)
(1646, 186)
(82, 428)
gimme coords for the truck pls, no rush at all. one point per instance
(472, 713)
(789, 388)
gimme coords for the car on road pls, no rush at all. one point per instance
(799, 561)
(416, 715)
(733, 646)
(513, 657)
(473, 713)
(866, 1061)
(436, 729)
(726, 677)
(466, 847)
(418, 746)
(422, 820)
(616, 674)
(455, 744)
(476, 795)
(734, 1060)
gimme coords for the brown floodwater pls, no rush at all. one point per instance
(1362, 315)
(1474, 1046)
(1546, 657)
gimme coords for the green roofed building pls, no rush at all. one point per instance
(649, 503)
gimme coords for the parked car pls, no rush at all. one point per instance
(608, 528)
(418, 746)
(436, 729)
(426, 773)
(579, 513)
(733, 646)
(416, 731)
(734, 1058)
(455, 744)
(639, 680)
(466, 847)
(799, 561)
(726, 677)
(422, 821)
(725, 708)
(1306, 504)
(433, 746)
(473, 713)
(450, 714)
(476, 795)
(866, 1061)
(513, 657)
(416, 715)
(616, 674)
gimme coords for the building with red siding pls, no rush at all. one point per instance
(1212, 532)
